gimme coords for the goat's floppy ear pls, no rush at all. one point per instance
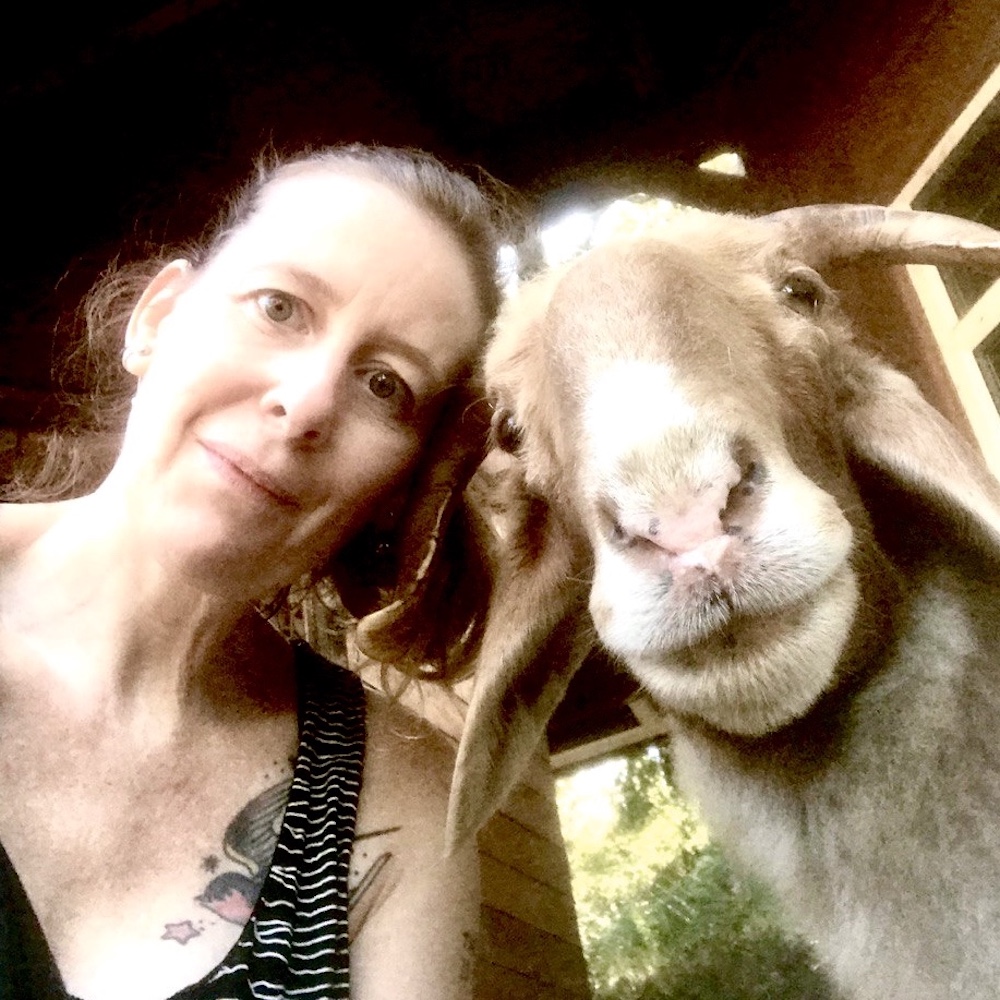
(889, 425)
(537, 635)
(440, 581)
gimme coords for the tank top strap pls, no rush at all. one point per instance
(296, 941)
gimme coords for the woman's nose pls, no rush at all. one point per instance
(302, 398)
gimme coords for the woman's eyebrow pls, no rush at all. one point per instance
(414, 355)
(313, 283)
(319, 286)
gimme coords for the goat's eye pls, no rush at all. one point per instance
(506, 432)
(804, 291)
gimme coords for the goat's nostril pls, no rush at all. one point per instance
(753, 474)
(742, 499)
(610, 520)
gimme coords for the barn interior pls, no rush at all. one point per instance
(127, 120)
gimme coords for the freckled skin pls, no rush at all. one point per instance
(328, 399)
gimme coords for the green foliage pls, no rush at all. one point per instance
(661, 913)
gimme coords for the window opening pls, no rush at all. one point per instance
(967, 184)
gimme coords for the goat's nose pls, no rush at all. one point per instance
(688, 528)
(685, 529)
(691, 539)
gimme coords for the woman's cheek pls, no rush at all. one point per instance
(378, 463)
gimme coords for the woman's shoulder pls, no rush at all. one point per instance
(410, 897)
(408, 761)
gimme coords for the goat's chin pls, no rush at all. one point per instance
(758, 673)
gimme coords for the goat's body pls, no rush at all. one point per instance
(876, 818)
(800, 561)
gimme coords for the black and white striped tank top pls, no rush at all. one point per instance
(295, 944)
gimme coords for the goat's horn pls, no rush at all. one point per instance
(824, 233)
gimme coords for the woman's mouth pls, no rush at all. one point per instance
(239, 470)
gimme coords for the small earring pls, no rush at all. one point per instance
(130, 354)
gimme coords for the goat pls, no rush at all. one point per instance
(790, 549)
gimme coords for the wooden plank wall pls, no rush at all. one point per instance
(899, 74)
(531, 944)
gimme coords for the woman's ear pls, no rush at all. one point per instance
(155, 303)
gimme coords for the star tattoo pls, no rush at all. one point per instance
(181, 933)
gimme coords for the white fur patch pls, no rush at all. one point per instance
(630, 405)
(767, 680)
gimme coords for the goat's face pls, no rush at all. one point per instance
(684, 413)
(679, 412)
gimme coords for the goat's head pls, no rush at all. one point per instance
(680, 412)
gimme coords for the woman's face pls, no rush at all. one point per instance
(289, 384)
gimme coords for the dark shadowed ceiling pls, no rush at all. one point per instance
(124, 121)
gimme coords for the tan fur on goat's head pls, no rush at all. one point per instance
(682, 414)
(636, 411)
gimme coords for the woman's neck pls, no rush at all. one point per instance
(81, 597)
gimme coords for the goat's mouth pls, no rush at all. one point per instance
(758, 670)
(742, 633)
(713, 616)
(716, 630)
(741, 611)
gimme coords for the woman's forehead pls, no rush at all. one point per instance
(300, 217)
(352, 235)
(315, 200)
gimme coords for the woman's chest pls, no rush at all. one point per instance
(142, 868)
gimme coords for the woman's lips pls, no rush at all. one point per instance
(239, 468)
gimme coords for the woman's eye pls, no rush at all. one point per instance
(391, 389)
(383, 384)
(278, 307)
